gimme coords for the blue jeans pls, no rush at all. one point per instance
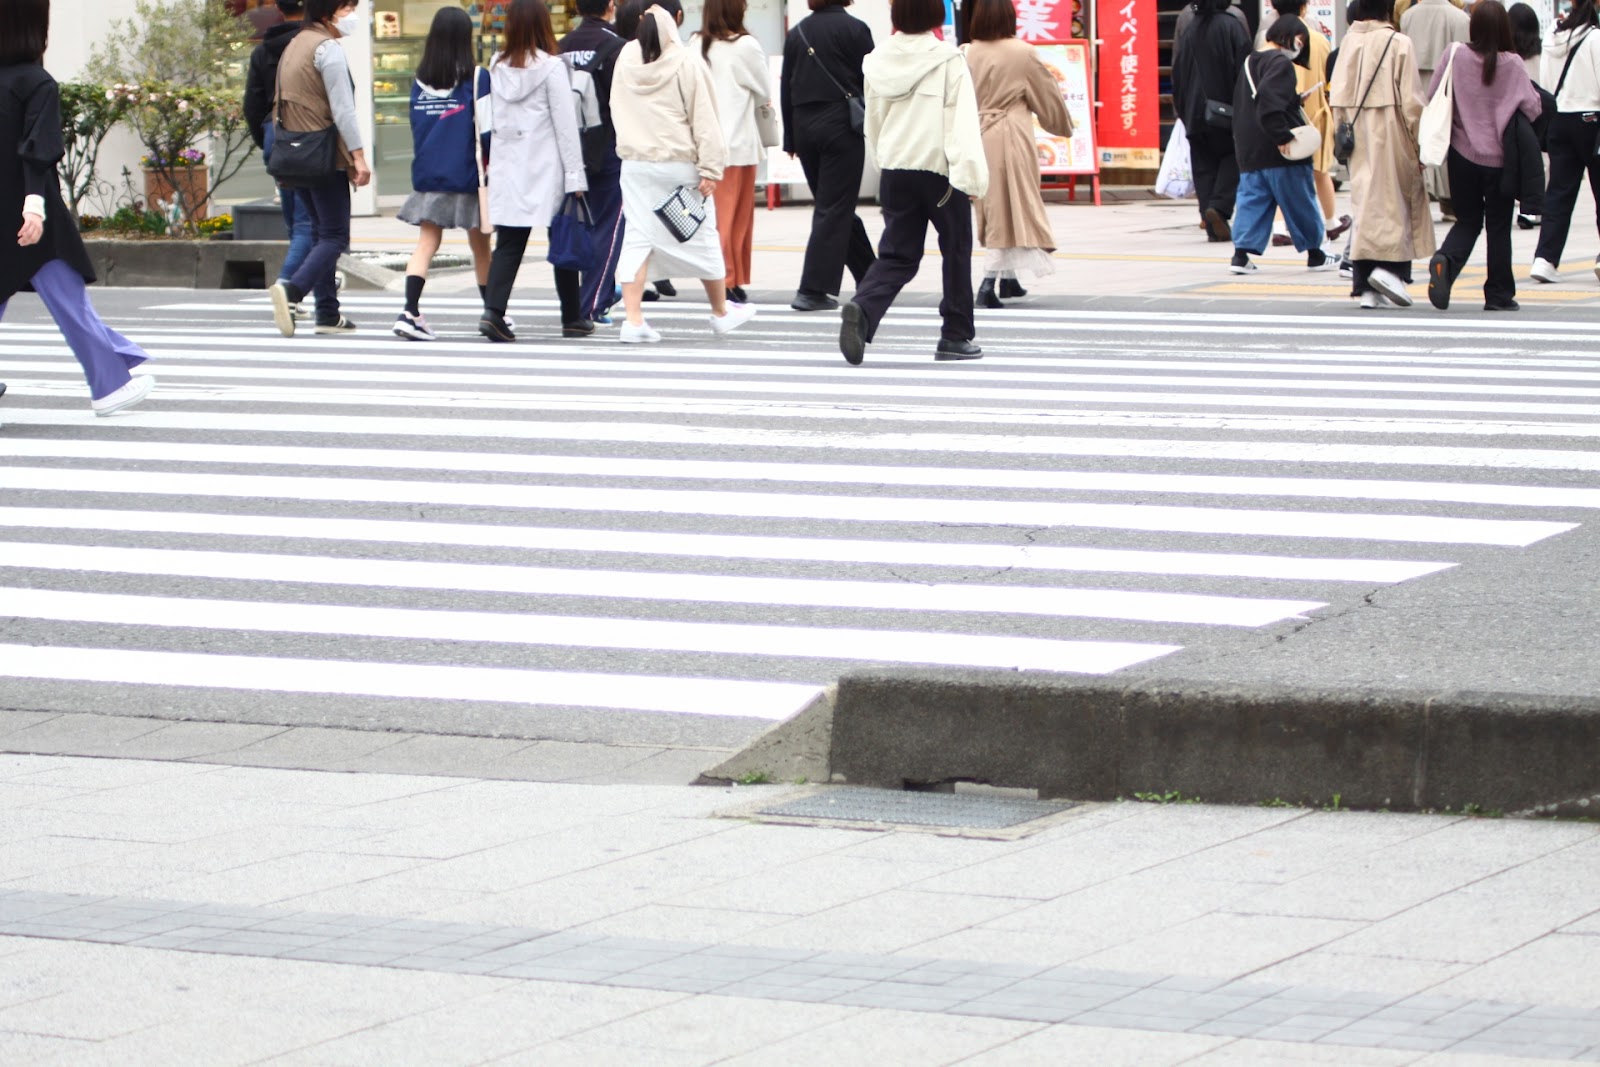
(1288, 189)
(329, 207)
(105, 355)
(297, 220)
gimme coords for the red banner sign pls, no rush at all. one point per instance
(1130, 103)
(1050, 20)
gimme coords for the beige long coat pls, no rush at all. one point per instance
(1391, 207)
(1013, 86)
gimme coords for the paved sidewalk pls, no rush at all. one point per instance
(1125, 248)
(187, 913)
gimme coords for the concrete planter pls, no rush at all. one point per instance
(197, 264)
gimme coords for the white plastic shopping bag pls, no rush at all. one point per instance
(1175, 179)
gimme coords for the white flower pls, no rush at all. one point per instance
(183, 105)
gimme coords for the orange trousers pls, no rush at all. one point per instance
(736, 220)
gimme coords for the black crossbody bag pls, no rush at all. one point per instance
(858, 110)
(302, 160)
(1344, 135)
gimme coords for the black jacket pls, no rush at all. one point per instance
(30, 148)
(1522, 177)
(593, 47)
(1267, 120)
(1214, 47)
(841, 42)
(260, 83)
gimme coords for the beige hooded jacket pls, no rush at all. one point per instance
(666, 111)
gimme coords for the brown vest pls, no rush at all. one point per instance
(302, 99)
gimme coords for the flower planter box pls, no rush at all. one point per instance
(193, 181)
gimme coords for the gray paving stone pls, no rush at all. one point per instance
(761, 952)
(1031, 1013)
(334, 954)
(681, 984)
(1225, 1028)
(444, 966)
(875, 997)
(1089, 976)
(1119, 1021)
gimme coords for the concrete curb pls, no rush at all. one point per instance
(1094, 739)
(187, 264)
(795, 749)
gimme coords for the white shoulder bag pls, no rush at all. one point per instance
(1307, 138)
(1433, 132)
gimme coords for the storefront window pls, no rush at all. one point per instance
(399, 29)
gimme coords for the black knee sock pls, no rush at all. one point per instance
(483, 293)
(414, 284)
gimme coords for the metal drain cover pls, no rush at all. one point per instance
(958, 811)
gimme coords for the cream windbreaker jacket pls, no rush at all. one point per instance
(922, 113)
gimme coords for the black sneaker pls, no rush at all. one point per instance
(577, 328)
(1240, 263)
(666, 288)
(737, 295)
(949, 350)
(852, 333)
(1503, 305)
(1440, 279)
(1317, 259)
(495, 328)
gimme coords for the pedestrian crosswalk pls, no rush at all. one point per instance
(714, 529)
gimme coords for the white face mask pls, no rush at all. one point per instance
(350, 26)
(1294, 53)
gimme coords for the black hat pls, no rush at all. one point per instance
(292, 7)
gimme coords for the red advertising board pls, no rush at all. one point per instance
(1129, 131)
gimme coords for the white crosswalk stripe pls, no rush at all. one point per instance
(720, 528)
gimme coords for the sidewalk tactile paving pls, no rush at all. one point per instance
(1071, 995)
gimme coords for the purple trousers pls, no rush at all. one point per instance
(105, 355)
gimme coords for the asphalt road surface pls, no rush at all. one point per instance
(678, 544)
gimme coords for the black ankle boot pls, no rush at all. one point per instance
(987, 297)
(1011, 289)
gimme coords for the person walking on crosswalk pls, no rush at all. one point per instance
(449, 111)
(670, 139)
(46, 254)
(1375, 89)
(922, 128)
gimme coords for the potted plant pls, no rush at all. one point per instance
(178, 183)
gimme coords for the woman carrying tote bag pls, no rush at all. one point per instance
(537, 159)
(1490, 86)
(673, 153)
(316, 93)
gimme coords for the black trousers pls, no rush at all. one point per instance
(1480, 206)
(1215, 169)
(1571, 146)
(832, 157)
(911, 200)
(510, 243)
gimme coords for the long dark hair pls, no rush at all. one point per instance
(528, 31)
(628, 14)
(1489, 34)
(447, 59)
(1525, 30)
(722, 20)
(24, 31)
(1581, 15)
(649, 38)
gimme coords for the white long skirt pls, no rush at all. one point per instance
(646, 238)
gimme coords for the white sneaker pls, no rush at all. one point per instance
(641, 334)
(737, 316)
(136, 390)
(1371, 301)
(283, 312)
(1544, 271)
(1390, 287)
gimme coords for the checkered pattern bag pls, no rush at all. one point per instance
(682, 213)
